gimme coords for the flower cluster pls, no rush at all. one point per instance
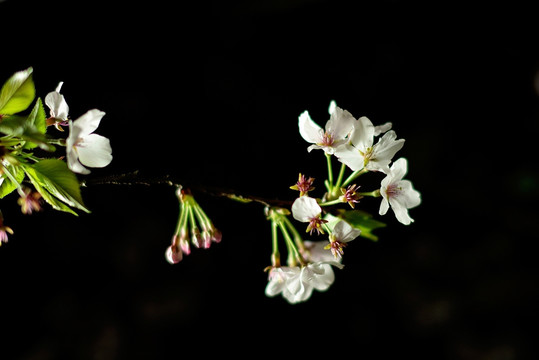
(360, 147)
(309, 263)
(50, 178)
(83, 147)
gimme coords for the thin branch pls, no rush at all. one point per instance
(136, 179)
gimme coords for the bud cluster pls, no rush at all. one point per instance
(194, 228)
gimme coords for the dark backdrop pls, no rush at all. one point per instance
(209, 95)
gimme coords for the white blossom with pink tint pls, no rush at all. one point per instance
(361, 152)
(59, 110)
(83, 147)
(398, 193)
(332, 136)
(341, 234)
(306, 209)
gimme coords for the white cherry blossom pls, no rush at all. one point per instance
(316, 275)
(278, 277)
(333, 135)
(306, 209)
(341, 234)
(83, 147)
(59, 110)
(297, 283)
(361, 152)
(398, 193)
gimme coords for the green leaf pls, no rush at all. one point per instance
(17, 93)
(54, 181)
(360, 220)
(31, 128)
(23, 127)
(38, 117)
(7, 186)
(13, 125)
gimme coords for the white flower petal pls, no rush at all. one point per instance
(296, 289)
(278, 278)
(401, 213)
(362, 137)
(324, 277)
(380, 129)
(57, 105)
(95, 151)
(340, 123)
(89, 122)
(305, 208)
(344, 232)
(408, 196)
(399, 169)
(316, 252)
(332, 106)
(73, 162)
(315, 147)
(384, 207)
(387, 147)
(350, 156)
(386, 182)
(308, 129)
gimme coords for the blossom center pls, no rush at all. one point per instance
(327, 139)
(393, 190)
(79, 142)
(367, 155)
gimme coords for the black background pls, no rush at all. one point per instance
(209, 95)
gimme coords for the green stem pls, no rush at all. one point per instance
(61, 142)
(354, 175)
(291, 245)
(375, 193)
(204, 220)
(192, 217)
(332, 202)
(274, 243)
(297, 237)
(181, 219)
(330, 172)
(341, 176)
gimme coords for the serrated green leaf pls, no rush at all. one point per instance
(7, 186)
(53, 179)
(360, 220)
(36, 127)
(38, 117)
(17, 93)
(49, 198)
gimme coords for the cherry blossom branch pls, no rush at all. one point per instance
(357, 144)
(136, 179)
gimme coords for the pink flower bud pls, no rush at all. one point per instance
(173, 254)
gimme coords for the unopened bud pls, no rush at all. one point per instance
(173, 254)
(196, 237)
